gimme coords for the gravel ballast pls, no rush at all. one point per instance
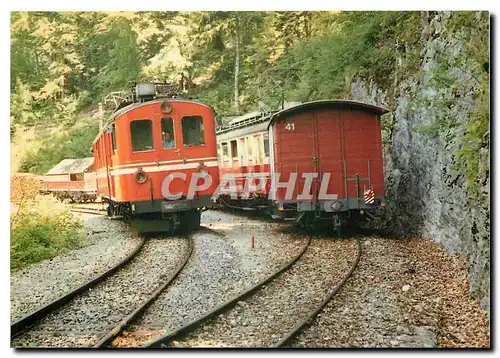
(404, 293)
(107, 243)
(265, 317)
(223, 265)
(88, 317)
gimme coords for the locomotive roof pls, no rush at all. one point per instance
(327, 103)
(158, 100)
(140, 104)
(71, 166)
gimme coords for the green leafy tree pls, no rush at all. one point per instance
(123, 63)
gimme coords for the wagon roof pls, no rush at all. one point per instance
(327, 103)
(71, 166)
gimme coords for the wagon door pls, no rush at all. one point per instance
(362, 154)
(296, 152)
(329, 151)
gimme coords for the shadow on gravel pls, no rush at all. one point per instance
(324, 230)
(247, 214)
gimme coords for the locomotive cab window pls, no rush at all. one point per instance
(193, 131)
(141, 132)
(167, 133)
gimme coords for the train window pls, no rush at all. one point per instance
(225, 152)
(193, 131)
(250, 147)
(242, 147)
(266, 144)
(76, 177)
(234, 149)
(167, 133)
(258, 150)
(113, 135)
(219, 149)
(141, 132)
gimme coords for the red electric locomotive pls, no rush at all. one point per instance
(321, 160)
(148, 153)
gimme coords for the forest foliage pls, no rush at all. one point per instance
(64, 62)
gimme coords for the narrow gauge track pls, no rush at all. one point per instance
(164, 340)
(255, 317)
(87, 211)
(32, 318)
(108, 338)
(310, 317)
(89, 313)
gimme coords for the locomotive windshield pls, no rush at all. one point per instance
(141, 132)
(167, 133)
(192, 131)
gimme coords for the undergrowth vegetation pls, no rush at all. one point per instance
(41, 227)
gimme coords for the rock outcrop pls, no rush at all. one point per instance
(427, 194)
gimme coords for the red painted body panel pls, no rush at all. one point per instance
(342, 141)
(62, 183)
(116, 169)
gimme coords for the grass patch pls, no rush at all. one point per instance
(41, 229)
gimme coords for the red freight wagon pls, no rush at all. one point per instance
(72, 179)
(334, 138)
(142, 144)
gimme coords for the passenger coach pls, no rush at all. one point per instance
(141, 145)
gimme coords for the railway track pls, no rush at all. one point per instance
(92, 212)
(164, 341)
(310, 317)
(93, 314)
(88, 209)
(113, 333)
(30, 319)
(186, 336)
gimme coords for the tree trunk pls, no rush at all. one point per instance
(237, 67)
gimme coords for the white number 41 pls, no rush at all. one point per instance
(290, 127)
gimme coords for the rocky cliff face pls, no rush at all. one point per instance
(427, 194)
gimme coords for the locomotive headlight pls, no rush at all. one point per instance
(141, 176)
(166, 107)
(337, 205)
